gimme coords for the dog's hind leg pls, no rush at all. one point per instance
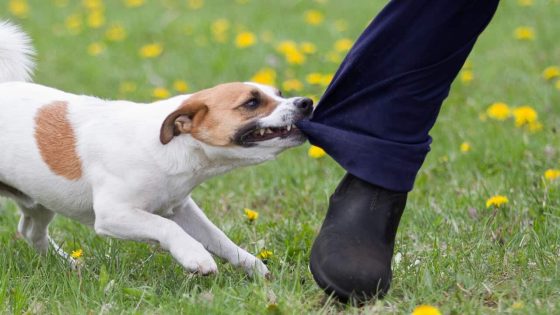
(33, 225)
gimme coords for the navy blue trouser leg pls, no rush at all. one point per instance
(375, 116)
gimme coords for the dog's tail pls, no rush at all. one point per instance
(16, 54)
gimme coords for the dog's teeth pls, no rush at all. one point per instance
(261, 132)
(268, 130)
(289, 127)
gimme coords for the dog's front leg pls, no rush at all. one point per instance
(191, 218)
(122, 221)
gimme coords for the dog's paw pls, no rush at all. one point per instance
(196, 260)
(257, 268)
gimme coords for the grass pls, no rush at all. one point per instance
(455, 253)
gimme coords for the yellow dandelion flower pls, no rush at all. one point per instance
(93, 4)
(551, 72)
(264, 254)
(498, 111)
(251, 215)
(219, 30)
(525, 3)
(496, 201)
(552, 174)
(133, 3)
(343, 45)
(517, 305)
(326, 79)
(265, 76)
(180, 86)
(466, 76)
(524, 33)
(195, 4)
(96, 19)
(524, 115)
(160, 93)
(308, 48)
(73, 23)
(127, 87)
(19, 8)
(292, 85)
(95, 49)
(465, 147)
(316, 152)
(286, 46)
(426, 310)
(77, 253)
(115, 33)
(295, 57)
(314, 78)
(245, 39)
(151, 50)
(314, 17)
(557, 85)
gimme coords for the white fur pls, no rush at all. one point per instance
(133, 186)
(16, 62)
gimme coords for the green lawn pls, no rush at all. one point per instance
(456, 253)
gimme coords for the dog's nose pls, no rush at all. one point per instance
(305, 104)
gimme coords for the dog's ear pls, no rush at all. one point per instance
(183, 120)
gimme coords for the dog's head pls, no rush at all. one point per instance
(239, 115)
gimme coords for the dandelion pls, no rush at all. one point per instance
(557, 85)
(496, 201)
(195, 4)
(73, 23)
(525, 33)
(551, 72)
(308, 48)
(264, 254)
(552, 174)
(245, 39)
(426, 310)
(95, 49)
(334, 57)
(295, 57)
(127, 87)
(498, 111)
(326, 79)
(265, 76)
(115, 33)
(219, 30)
(292, 85)
(286, 46)
(314, 17)
(465, 147)
(160, 93)
(534, 126)
(343, 45)
(93, 4)
(524, 115)
(133, 3)
(466, 76)
(251, 214)
(525, 3)
(19, 8)
(151, 50)
(78, 253)
(96, 19)
(180, 86)
(316, 152)
(314, 78)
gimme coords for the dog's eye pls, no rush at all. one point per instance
(252, 104)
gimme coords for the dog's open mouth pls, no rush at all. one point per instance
(257, 134)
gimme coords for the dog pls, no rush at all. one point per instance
(127, 169)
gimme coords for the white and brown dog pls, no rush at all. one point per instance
(128, 169)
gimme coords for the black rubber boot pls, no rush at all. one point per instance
(351, 257)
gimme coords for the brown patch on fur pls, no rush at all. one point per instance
(56, 140)
(215, 114)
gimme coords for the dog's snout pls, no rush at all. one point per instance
(305, 104)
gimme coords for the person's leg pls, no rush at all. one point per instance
(374, 121)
